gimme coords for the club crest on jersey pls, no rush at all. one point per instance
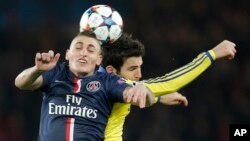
(93, 86)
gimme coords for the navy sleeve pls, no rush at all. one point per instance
(48, 76)
(116, 86)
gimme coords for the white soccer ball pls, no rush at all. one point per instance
(104, 21)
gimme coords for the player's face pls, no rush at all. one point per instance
(131, 69)
(83, 55)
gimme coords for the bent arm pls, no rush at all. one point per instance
(175, 80)
(29, 79)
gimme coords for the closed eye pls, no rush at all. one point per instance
(78, 45)
(132, 68)
(91, 49)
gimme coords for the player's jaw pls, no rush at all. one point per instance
(129, 75)
(131, 68)
(83, 66)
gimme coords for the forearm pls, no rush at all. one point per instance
(29, 79)
(177, 79)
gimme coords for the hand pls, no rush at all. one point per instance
(174, 99)
(225, 49)
(46, 61)
(139, 95)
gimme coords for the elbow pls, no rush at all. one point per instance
(18, 84)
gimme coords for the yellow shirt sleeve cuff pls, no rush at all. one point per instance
(156, 99)
(211, 52)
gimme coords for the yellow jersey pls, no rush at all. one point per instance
(169, 83)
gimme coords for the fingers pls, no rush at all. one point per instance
(229, 42)
(226, 49)
(174, 99)
(38, 56)
(136, 95)
(142, 100)
(140, 95)
(56, 58)
(44, 57)
(48, 57)
(129, 95)
(230, 47)
(231, 54)
(183, 100)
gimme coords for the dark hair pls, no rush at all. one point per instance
(87, 33)
(123, 48)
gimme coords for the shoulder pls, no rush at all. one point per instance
(59, 70)
(110, 79)
(62, 66)
(105, 76)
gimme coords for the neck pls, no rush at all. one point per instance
(82, 74)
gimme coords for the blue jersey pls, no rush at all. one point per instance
(75, 109)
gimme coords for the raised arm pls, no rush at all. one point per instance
(175, 80)
(31, 78)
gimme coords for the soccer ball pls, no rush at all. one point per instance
(104, 21)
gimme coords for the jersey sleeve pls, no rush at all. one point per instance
(49, 75)
(116, 86)
(175, 80)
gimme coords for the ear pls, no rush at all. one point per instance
(66, 55)
(99, 60)
(110, 69)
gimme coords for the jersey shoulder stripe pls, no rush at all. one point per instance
(177, 79)
(197, 62)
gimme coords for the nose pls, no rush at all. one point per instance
(138, 74)
(83, 52)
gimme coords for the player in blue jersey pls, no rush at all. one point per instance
(77, 100)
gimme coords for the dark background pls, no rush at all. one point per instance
(173, 31)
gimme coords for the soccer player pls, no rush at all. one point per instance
(124, 57)
(72, 108)
(77, 100)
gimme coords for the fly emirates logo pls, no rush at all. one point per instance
(72, 110)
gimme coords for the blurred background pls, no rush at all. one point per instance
(173, 31)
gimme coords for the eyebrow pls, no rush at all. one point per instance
(91, 45)
(79, 43)
(133, 67)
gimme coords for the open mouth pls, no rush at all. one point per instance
(82, 61)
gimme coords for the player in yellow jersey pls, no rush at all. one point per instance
(124, 57)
